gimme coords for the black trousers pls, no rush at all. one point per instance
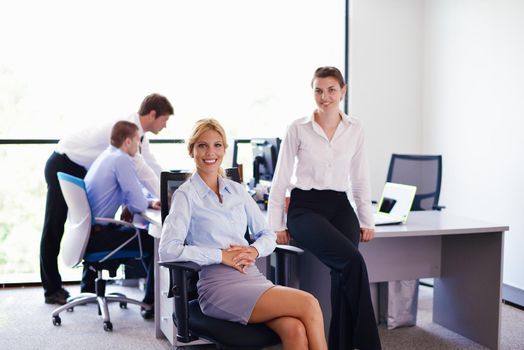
(324, 223)
(109, 237)
(54, 219)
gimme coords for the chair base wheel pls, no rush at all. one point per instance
(57, 321)
(108, 326)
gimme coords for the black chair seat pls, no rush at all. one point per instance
(229, 334)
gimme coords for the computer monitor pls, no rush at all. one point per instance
(239, 150)
(265, 154)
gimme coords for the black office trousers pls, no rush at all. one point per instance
(110, 237)
(54, 219)
(324, 223)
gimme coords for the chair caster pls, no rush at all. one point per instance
(108, 326)
(70, 309)
(123, 305)
(57, 321)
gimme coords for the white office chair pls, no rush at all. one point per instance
(74, 245)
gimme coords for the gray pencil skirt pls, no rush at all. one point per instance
(228, 294)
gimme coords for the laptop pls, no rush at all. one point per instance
(395, 204)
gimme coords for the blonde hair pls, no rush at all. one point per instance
(201, 127)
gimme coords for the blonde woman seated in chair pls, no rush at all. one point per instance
(206, 225)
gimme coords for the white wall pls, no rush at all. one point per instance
(474, 113)
(385, 79)
(447, 77)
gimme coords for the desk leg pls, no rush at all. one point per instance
(467, 297)
(158, 331)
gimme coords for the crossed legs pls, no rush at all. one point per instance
(294, 315)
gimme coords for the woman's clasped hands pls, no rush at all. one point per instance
(239, 257)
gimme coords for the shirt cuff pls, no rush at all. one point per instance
(260, 249)
(215, 256)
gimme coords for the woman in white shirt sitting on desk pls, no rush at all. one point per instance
(327, 149)
(206, 225)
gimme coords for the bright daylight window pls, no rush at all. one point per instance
(68, 64)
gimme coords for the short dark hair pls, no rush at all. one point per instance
(121, 131)
(324, 72)
(158, 103)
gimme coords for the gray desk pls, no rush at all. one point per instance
(464, 256)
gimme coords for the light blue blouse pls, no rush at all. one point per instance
(198, 226)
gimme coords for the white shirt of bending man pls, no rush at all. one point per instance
(83, 146)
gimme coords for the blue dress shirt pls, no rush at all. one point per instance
(198, 226)
(112, 181)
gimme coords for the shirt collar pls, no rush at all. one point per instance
(135, 118)
(203, 189)
(346, 119)
(112, 150)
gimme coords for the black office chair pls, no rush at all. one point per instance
(191, 323)
(423, 171)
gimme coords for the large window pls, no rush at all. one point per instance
(68, 64)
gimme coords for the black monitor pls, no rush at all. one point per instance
(265, 154)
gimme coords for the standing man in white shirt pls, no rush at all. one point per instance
(74, 155)
(328, 152)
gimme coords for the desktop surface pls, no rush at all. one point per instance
(428, 223)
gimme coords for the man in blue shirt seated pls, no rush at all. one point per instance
(112, 181)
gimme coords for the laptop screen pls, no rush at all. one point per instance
(396, 200)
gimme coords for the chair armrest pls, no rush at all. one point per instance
(283, 254)
(179, 275)
(181, 265)
(114, 221)
(288, 249)
(183, 268)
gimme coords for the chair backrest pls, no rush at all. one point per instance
(423, 171)
(79, 219)
(233, 174)
(170, 181)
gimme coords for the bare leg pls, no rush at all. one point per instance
(280, 302)
(291, 331)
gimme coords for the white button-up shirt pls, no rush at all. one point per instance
(83, 146)
(317, 163)
(198, 226)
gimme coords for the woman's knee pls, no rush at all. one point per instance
(294, 332)
(311, 307)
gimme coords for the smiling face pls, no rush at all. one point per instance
(208, 153)
(328, 93)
